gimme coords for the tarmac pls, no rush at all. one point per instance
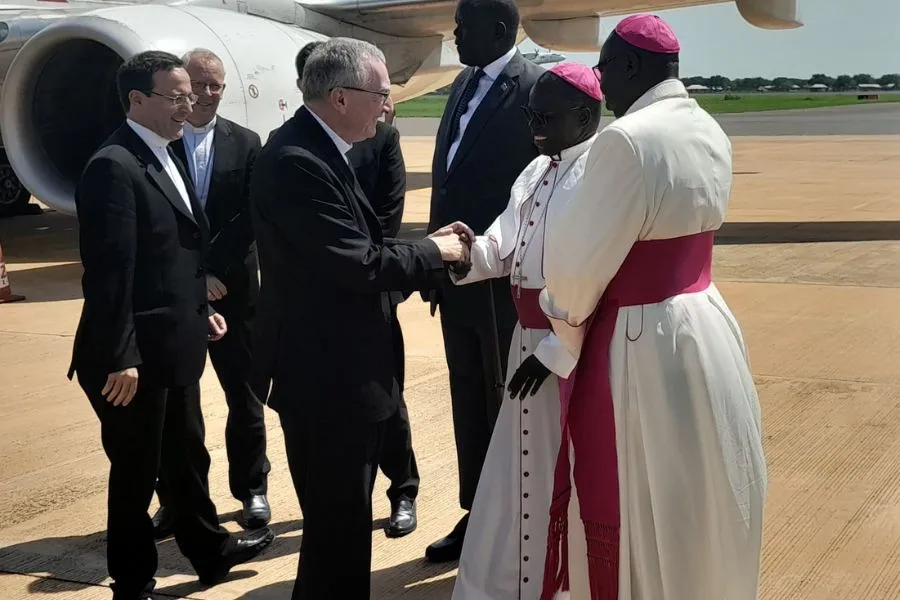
(807, 262)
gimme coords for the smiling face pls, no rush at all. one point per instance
(559, 115)
(165, 107)
(208, 82)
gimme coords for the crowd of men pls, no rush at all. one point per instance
(607, 427)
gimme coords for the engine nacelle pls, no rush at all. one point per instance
(59, 100)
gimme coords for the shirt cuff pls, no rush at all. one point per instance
(554, 356)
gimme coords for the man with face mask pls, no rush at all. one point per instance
(482, 145)
(219, 155)
(503, 553)
(661, 418)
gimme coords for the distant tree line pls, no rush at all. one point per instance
(838, 84)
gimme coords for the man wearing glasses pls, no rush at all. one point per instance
(324, 327)
(140, 347)
(219, 156)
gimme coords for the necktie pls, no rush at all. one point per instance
(463, 104)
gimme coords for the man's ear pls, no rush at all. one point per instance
(632, 65)
(500, 31)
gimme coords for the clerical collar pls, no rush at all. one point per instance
(573, 152)
(151, 138)
(202, 128)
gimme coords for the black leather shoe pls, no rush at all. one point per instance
(163, 523)
(246, 547)
(403, 519)
(256, 513)
(449, 548)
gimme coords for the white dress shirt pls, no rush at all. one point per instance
(200, 151)
(158, 145)
(491, 73)
(342, 146)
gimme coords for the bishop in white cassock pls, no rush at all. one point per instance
(503, 553)
(660, 415)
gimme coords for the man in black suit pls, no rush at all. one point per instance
(324, 319)
(483, 143)
(140, 347)
(219, 155)
(381, 173)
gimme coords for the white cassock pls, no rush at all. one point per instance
(688, 434)
(503, 553)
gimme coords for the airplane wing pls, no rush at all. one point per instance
(55, 48)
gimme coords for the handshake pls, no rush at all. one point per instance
(455, 243)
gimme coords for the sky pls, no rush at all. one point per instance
(838, 37)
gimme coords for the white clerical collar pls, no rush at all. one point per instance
(342, 146)
(670, 88)
(493, 70)
(573, 152)
(151, 138)
(202, 128)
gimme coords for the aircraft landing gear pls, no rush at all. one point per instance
(14, 197)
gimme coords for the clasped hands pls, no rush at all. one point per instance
(455, 244)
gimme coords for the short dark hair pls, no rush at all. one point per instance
(303, 56)
(137, 73)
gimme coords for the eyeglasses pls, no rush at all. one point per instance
(384, 95)
(542, 118)
(180, 100)
(213, 88)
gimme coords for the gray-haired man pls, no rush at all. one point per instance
(324, 330)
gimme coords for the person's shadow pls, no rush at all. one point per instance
(72, 563)
(412, 580)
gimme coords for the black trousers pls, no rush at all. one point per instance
(398, 461)
(161, 429)
(245, 429)
(470, 352)
(333, 467)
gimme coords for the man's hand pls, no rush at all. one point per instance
(121, 387)
(528, 378)
(458, 228)
(215, 289)
(452, 247)
(217, 327)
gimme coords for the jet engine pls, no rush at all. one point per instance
(59, 100)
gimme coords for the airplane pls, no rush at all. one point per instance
(58, 60)
(544, 58)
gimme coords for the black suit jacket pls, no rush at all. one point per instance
(232, 251)
(381, 172)
(143, 253)
(324, 325)
(496, 147)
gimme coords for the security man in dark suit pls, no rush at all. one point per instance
(324, 321)
(483, 143)
(140, 347)
(379, 168)
(219, 155)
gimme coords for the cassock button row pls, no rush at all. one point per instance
(524, 411)
(546, 182)
(526, 475)
(531, 222)
(525, 495)
(525, 452)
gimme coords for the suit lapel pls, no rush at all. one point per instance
(505, 84)
(222, 159)
(200, 220)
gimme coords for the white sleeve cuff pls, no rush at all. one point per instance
(553, 355)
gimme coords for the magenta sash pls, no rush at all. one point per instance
(653, 271)
(529, 309)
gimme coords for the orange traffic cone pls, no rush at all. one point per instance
(6, 294)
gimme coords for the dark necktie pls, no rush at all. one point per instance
(463, 104)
